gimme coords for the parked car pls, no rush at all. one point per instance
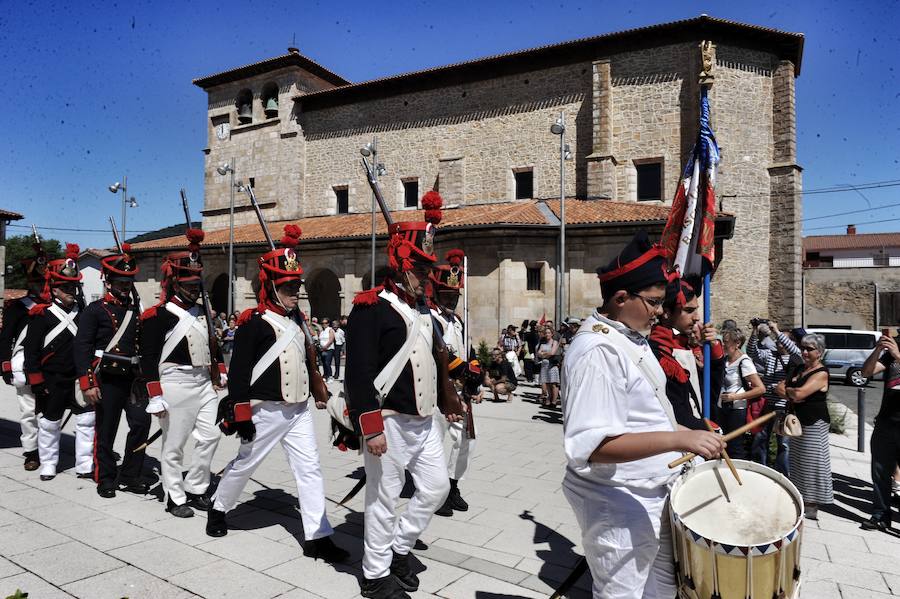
(846, 350)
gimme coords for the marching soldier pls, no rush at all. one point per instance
(12, 355)
(50, 368)
(392, 390)
(176, 361)
(106, 350)
(447, 282)
(272, 377)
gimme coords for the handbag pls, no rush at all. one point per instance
(789, 426)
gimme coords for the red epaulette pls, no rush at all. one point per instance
(151, 311)
(245, 316)
(369, 297)
(672, 368)
(38, 309)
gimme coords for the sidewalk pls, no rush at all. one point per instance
(518, 539)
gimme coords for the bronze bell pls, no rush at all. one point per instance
(272, 107)
(245, 114)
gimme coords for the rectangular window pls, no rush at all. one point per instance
(411, 193)
(649, 181)
(889, 308)
(533, 278)
(253, 182)
(343, 200)
(524, 184)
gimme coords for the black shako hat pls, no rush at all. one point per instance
(639, 265)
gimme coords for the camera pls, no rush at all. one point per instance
(758, 321)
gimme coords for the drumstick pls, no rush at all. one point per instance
(732, 435)
(725, 455)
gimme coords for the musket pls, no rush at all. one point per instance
(134, 292)
(449, 401)
(210, 331)
(318, 387)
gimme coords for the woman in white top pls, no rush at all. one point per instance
(742, 385)
(326, 346)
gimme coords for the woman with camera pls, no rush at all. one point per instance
(806, 389)
(548, 354)
(742, 385)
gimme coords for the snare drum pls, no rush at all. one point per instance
(736, 541)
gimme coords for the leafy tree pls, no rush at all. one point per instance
(20, 247)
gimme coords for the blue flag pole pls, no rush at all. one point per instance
(707, 317)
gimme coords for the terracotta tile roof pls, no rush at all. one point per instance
(787, 45)
(13, 294)
(9, 215)
(350, 226)
(859, 241)
(270, 64)
(96, 252)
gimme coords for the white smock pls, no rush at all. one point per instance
(620, 507)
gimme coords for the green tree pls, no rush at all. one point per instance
(20, 247)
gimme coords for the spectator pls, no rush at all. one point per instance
(810, 457)
(885, 442)
(314, 326)
(512, 346)
(221, 321)
(228, 335)
(326, 347)
(742, 384)
(549, 323)
(548, 354)
(728, 323)
(774, 367)
(339, 339)
(531, 338)
(499, 376)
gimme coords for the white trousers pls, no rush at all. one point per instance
(414, 444)
(291, 425)
(48, 435)
(461, 446)
(28, 419)
(627, 540)
(192, 406)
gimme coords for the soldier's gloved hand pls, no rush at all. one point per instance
(7, 378)
(157, 406)
(237, 417)
(40, 391)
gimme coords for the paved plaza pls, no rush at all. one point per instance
(518, 539)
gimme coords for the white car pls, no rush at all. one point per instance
(845, 352)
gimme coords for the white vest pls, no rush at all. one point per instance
(453, 333)
(292, 361)
(422, 360)
(192, 327)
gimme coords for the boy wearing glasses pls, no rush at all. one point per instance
(50, 366)
(620, 431)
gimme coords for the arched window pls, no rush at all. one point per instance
(270, 99)
(244, 105)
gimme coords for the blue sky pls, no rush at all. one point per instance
(95, 91)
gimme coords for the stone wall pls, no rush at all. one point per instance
(845, 297)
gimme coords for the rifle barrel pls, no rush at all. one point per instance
(262, 221)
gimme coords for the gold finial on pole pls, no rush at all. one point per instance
(707, 62)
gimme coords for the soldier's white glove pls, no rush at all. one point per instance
(156, 405)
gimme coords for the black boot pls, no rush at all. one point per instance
(199, 502)
(446, 509)
(455, 499)
(106, 490)
(874, 523)
(325, 549)
(215, 523)
(134, 486)
(179, 511)
(32, 461)
(400, 569)
(385, 587)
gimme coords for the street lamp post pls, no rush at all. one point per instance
(223, 170)
(371, 149)
(559, 128)
(126, 202)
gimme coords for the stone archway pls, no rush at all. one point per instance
(323, 289)
(380, 273)
(218, 293)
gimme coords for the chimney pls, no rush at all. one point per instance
(293, 50)
(851, 229)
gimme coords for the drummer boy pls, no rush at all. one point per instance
(620, 434)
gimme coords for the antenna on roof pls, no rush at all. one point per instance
(293, 49)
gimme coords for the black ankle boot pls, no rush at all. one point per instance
(199, 502)
(32, 461)
(455, 499)
(215, 523)
(179, 511)
(385, 587)
(326, 550)
(400, 569)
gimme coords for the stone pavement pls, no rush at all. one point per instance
(518, 539)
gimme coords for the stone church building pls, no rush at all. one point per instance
(479, 132)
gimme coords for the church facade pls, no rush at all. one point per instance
(479, 132)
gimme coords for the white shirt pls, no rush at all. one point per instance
(733, 383)
(339, 336)
(605, 394)
(325, 336)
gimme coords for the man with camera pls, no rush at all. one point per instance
(774, 354)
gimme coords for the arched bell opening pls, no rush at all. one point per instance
(270, 99)
(244, 105)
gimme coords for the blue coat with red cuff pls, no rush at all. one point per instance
(375, 333)
(56, 359)
(96, 328)
(155, 323)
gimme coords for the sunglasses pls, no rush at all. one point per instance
(808, 348)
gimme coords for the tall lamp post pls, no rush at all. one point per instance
(126, 202)
(559, 128)
(371, 149)
(224, 170)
